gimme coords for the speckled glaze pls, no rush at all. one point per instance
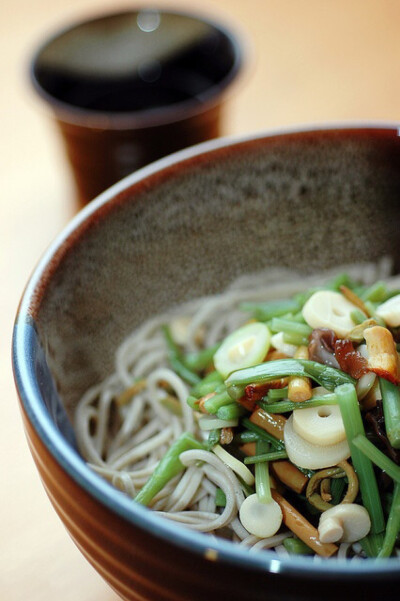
(180, 228)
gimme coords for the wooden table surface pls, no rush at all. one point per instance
(310, 61)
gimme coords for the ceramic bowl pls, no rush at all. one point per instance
(180, 228)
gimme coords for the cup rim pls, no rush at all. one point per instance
(179, 111)
(25, 380)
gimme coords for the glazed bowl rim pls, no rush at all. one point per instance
(178, 111)
(71, 462)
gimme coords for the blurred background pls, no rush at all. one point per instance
(309, 61)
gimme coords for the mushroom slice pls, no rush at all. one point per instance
(345, 523)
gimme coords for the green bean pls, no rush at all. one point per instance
(376, 293)
(278, 445)
(342, 279)
(295, 546)
(391, 411)
(272, 456)
(371, 309)
(287, 326)
(352, 420)
(169, 467)
(220, 498)
(392, 526)
(275, 394)
(213, 439)
(286, 406)
(263, 486)
(264, 311)
(217, 401)
(231, 411)
(376, 456)
(302, 297)
(176, 361)
(295, 339)
(372, 544)
(201, 359)
(208, 384)
(294, 317)
(246, 436)
(193, 402)
(326, 376)
(358, 316)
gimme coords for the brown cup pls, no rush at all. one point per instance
(126, 89)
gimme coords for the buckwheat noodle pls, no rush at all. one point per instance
(125, 448)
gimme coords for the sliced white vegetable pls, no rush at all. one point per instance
(390, 311)
(245, 347)
(312, 456)
(364, 384)
(374, 394)
(278, 342)
(347, 523)
(261, 519)
(236, 466)
(362, 349)
(320, 425)
(209, 422)
(328, 309)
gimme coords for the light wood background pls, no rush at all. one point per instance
(310, 61)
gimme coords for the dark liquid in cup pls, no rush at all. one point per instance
(170, 73)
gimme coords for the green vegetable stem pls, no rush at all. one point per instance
(393, 525)
(326, 376)
(176, 360)
(169, 467)
(263, 487)
(264, 311)
(391, 411)
(352, 420)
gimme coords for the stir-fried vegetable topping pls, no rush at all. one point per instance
(288, 402)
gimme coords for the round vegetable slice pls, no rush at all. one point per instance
(312, 456)
(390, 311)
(245, 347)
(260, 519)
(328, 309)
(320, 425)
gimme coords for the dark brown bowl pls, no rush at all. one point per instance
(181, 228)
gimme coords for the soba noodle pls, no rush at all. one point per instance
(125, 425)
